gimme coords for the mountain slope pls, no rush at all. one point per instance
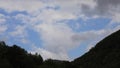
(106, 54)
(16, 57)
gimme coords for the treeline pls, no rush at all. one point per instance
(16, 57)
(106, 54)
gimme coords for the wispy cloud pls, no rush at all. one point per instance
(3, 26)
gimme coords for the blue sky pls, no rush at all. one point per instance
(58, 29)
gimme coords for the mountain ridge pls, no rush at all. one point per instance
(105, 54)
(104, 51)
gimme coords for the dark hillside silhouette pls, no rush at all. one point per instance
(106, 54)
(16, 57)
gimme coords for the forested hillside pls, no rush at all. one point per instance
(106, 54)
(16, 57)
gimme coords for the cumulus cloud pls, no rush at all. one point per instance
(20, 5)
(108, 3)
(57, 37)
(103, 8)
(116, 18)
(19, 31)
(3, 26)
(48, 19)
(108, 6)
(46, 54)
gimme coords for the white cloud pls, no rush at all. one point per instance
(54, 15)
(25, 41)
(34, 7)
(19, 31)
(55, 35)
(19, 34)
(50, 55)
(103, 8)
(3, 28)
(2, 19)
(21, 5)
(80, 8)
(101, 34)
(71, 6)
(58, 38)
(58, 41)
(116, 18)
(24, 18)
(49, 29)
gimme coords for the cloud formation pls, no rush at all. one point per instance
(28, 5)
(50, 55)
(103, 8)
(49, 19)
(3, 26)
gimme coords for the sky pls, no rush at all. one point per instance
(58, 29)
